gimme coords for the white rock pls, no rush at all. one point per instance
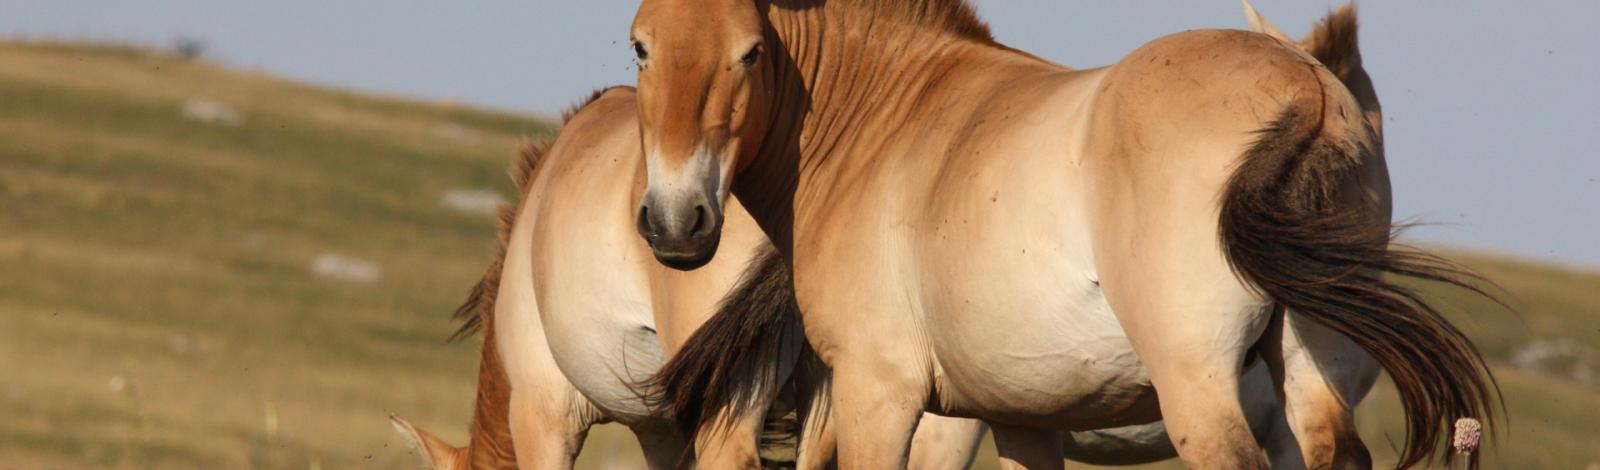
(181, 344)
(454, 131)
(1561, 358)
(117, 384)
(473, 200)
(212, 112)
(344, 268)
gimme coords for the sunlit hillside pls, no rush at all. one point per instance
(208, 268)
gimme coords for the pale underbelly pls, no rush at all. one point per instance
(604, 341)
(1058, 361)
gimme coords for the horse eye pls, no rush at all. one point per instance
(750, 58)
(638, 49)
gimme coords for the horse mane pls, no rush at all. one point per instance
(954, 16)
(475, 313)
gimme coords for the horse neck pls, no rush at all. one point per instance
(842, 75)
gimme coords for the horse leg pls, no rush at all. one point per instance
(1282, 448)
(1199, 390)
(664, 448)
(1190, 320)
(735, 444)
(818, 444)
(945, 443)
(1320, 376)
(1264, 409)
(548, 431)
(877, 402)
(1028, 448)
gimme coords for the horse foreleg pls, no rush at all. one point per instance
(664, 448)
(818, 443)
(732, 442)
(548, 429)
(876, 405)
(1320, 376)
(946, 443)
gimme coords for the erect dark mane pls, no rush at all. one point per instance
(955, 16)
(479, 306)
(567, 114)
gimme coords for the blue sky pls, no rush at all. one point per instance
(1492, 107)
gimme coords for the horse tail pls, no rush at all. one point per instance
(1288, 231)
(738, 359)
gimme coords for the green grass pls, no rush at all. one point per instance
(172, 256)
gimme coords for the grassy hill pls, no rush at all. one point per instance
(207, 268)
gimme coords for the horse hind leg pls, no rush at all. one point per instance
(1190, 321)
(1320, 376)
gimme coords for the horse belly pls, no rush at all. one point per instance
(1020, 327)
(594, 300)
(1058, 362)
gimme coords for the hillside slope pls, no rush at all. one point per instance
(207, 268)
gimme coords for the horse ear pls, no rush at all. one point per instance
(436, 454)
(1260, 23)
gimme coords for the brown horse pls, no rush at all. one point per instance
(978, 232)
(573, 312)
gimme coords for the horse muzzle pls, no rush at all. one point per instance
(683, 232)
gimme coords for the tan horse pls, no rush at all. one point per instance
(574, 311)
(978, 232)
(721, 341)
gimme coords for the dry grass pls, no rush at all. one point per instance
(170, 257)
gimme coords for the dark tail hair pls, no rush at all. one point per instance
(737, 359)
(1285, 234)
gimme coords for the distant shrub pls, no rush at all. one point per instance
(189, 47)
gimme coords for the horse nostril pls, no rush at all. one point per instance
(643, 223)
(700, 220)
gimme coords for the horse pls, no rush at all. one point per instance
(1127, 445)
(978, 232)
(715, 350)
(574, 312)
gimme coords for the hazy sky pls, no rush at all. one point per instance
(1492, 107)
